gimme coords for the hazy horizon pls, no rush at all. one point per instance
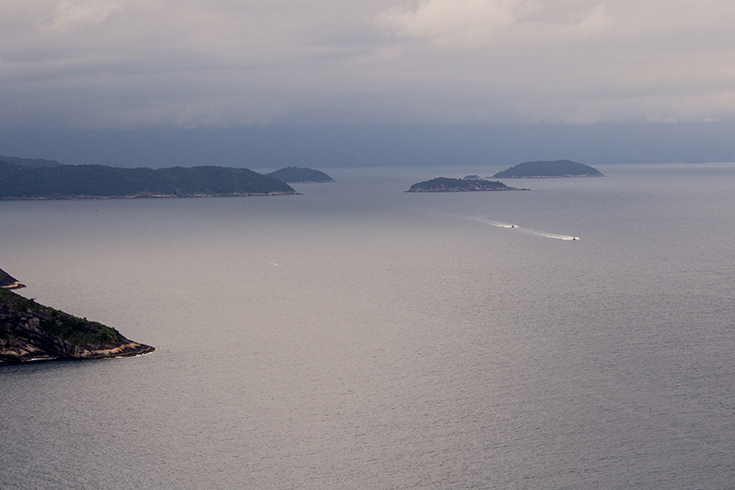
(127, 64)
(383, 82)
(376, 145)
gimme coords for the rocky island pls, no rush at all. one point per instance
(30, 331)
(445, 184)
(548, 169)
(101, 182)
(296, 175)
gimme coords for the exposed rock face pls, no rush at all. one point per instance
(7, 282)
(29, 331)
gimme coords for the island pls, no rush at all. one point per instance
(548, 169)
(31, 162)
(30, 331)
(296, 175)
(102, 182)
(445, 184)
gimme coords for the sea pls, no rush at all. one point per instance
(357, 336)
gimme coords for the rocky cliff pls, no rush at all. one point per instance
(7, 282)
(30, 331)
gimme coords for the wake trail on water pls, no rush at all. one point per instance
(497, 224)
(545, 234)
(528, 231)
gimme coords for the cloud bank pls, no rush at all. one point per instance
(225, 63)
(70, 15)
(466, 24)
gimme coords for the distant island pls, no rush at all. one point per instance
(444, 184)
(98, 181)
(548, 169)
(30, 162)
(30, 331)
(295, 175)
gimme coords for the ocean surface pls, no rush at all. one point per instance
(361, 337)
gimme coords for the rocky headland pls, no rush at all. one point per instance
(8, 282)
(30, 331)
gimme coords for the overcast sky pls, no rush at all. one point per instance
(228, 63)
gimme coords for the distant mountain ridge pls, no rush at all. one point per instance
(97, 181)
(30, 162)
(547, 169)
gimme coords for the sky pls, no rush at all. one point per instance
(82, 66)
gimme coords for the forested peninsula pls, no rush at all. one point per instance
(445, 184)
(98, 181)
(30, 331)
(548, 169)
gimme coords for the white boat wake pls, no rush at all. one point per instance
(545, 234)
(528, 231)
(497, 224)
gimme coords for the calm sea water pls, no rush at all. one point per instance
(361, 337)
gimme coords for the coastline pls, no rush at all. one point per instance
(30, 331)
(455, 189)
(150, 196)
(18, 351)
(554, 176)
(14, 285)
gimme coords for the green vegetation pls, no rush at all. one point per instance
(80, 331)
(73, 181)
(444, 184)
(295, 175)
(540, 169)
(60, 325)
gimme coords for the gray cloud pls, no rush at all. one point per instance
(70, 15)
(223, 63)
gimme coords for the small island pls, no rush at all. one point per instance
(101, 182)
(548, 169)
(30, 331)
(296, 175)
(445, 184)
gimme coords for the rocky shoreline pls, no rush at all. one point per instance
(17, 351)
(32, 332)
(23, 339)
(8, 282)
